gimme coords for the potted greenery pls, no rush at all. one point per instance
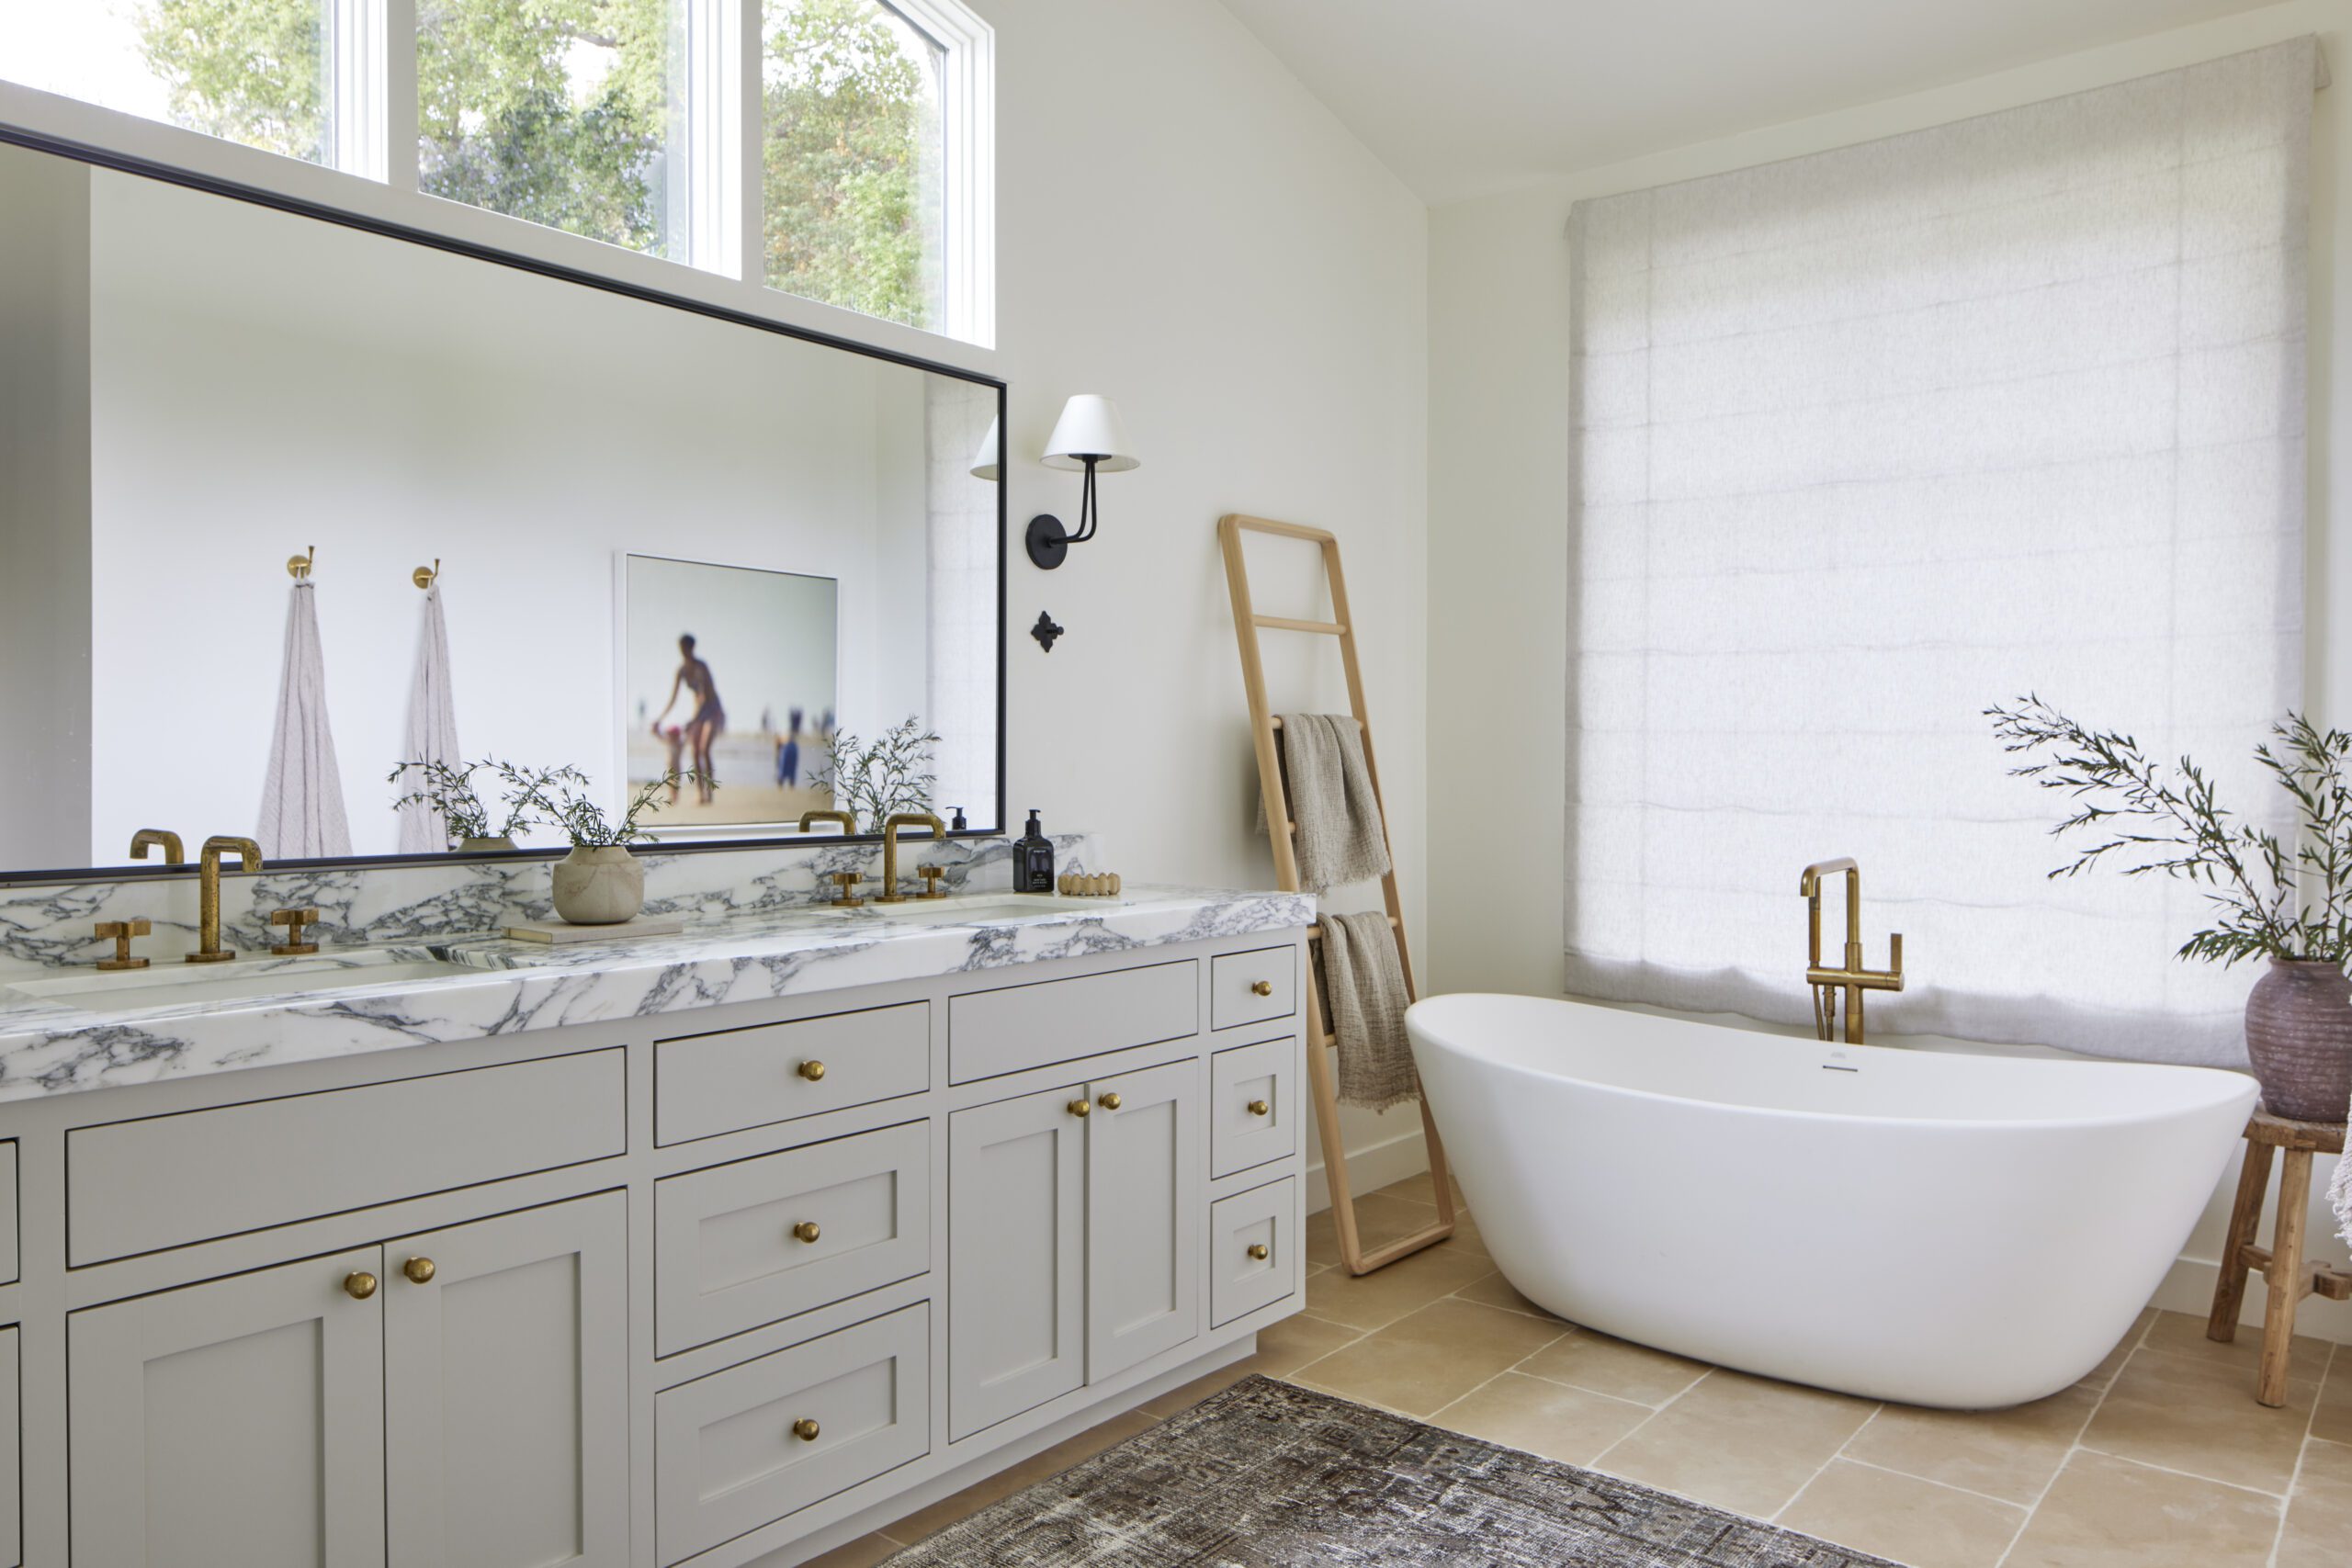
(600, 882)
(448, 789)
(2292, 907)
(874, 782)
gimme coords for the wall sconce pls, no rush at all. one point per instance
(1091, 436)
(986, 463)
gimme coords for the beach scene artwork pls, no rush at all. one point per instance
(729, 672)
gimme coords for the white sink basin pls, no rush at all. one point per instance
(986, 907)
(173, 984)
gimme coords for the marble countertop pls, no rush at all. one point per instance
(488, 986)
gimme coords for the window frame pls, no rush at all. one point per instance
(371, 175)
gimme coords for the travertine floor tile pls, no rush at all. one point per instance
(1901, 1516)
(1495, 1291)
(1417, 1188)
(1283, 1349)
(1430, 1358)
(1381, 1297)
(1612, 1366)
(1739, 1442)
(863, 1553)
(2198, 1414)
(2332, 1420)
(1380, 1219)
(1571, 1425)
(2319, 1514)
(929, 1521)
(2104, 1373)
(2182, 1335)
(2105, 1510)
(2008, 1453)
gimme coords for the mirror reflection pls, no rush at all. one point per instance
(296, 514)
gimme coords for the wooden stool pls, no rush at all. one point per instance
(2288, 1277)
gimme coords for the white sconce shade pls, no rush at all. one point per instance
(987, 462)
(1090, 427)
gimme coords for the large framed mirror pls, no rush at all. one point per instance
(275, 480)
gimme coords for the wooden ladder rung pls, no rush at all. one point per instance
(1284, 624)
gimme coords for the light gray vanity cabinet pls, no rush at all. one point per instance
(456, 1397)
(1074, 1247)
(241, 1420)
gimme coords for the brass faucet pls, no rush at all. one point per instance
(891, 893)
(161, 839)
(1853, 979)
(248, 854)
(810, 818)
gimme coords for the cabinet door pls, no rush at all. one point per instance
(506, 1390)
(1144, 1195)
(237, 1421)
(1016, 1205)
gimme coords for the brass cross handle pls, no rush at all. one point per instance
(846, 881)
(121, 932)
(931, 875)
(297, 940)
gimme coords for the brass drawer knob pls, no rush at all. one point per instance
(1109, 1102)
(1081, 1108)
(805, 1429)
(359, 1285)
(420, 1270)
(812, 1071)
(1261, 987)
(1260, 1108)
(1258, 1252)
(807, 1230)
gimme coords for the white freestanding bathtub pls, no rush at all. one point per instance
(1927, 1226)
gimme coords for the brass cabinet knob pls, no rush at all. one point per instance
(812, 1071)
(1258, 1251)
(1260, 1108)
(1109, 1102)
(1081, 1108)
(808, 1230)
(805, 1429)
(420, 1270)
(1261, 987)
(359, 1285)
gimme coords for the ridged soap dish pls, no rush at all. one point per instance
(1101, 885)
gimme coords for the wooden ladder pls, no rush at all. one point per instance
(1322, 1041)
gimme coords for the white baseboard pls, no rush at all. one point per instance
(1370, 1167)
(2188, 1288)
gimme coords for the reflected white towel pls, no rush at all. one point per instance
(2339, 1191)
(431, 730)
(302, 795)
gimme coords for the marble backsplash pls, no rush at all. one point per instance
(46, 923)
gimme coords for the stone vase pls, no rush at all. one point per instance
(2299, 1037)
(600, 887)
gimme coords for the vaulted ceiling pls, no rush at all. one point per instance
(1464, 97)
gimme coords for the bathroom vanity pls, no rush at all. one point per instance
(712, 1249)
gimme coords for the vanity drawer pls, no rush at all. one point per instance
(727, 1251)
(161, 1181)
(1253, 1117)
(1250, 987)
(992, 1032)
(728, 1456)
(707, 1084)
(1240, 1283)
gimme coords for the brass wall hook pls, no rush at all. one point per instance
(298, 566)
(427, 576)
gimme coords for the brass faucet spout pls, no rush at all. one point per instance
(161, 839)
(1853, 977)
(810, 818)
(891, 893)
(248, 854)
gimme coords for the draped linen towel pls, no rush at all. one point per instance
(301, 794)
(1341, 836)
(1365, 981)
(431, 734)
(1867, 441)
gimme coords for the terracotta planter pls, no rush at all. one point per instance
(599, 888)
(2299, 1037)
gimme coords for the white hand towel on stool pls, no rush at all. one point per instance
(302, 795)
(2339, 1190)
(432, 729)
(1363, 981)
(1341, 838)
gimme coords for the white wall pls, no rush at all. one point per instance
(1498, 494)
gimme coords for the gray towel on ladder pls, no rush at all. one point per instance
(1363, 983)
(1340, 836)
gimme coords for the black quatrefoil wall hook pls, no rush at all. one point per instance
(1046, 631)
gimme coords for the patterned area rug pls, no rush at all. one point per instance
(1266, 1475)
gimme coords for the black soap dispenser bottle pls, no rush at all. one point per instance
(1033, 860)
